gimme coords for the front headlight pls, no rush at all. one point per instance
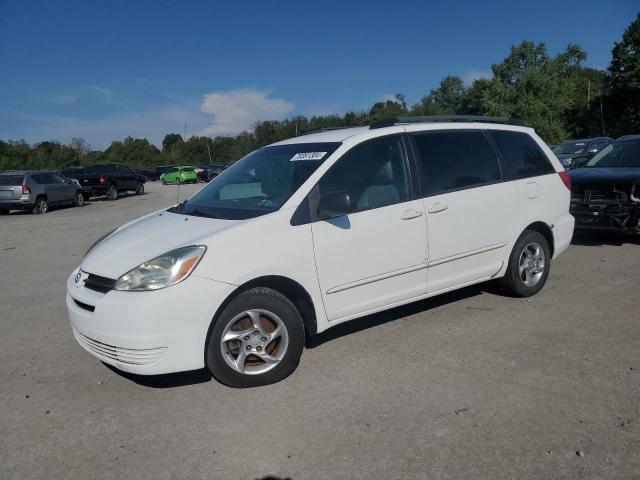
(163, 271)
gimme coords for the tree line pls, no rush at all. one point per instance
(556, 95)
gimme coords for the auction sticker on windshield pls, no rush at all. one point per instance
(308, 156)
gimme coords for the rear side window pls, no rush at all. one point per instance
(11, 180)
(187, 169)
(520, 155)
(453, 160)
(38, 178)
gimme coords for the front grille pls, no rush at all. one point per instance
(86, 306)
(99, 284)
(132, 356)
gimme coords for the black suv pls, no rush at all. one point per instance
(109, 180)
(576, 153)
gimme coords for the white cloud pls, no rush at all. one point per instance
(152, 124)
(470, 75)
(237, 110)
(63, 99)
(101, 91)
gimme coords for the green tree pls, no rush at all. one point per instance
(135, 152)
(622, 103)
(536, 87)
(170, 140)
(448, 97)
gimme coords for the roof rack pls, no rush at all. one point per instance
(327, 129)
(388, 122)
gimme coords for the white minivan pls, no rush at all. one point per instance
(313, 231)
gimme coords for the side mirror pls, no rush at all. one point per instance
(334, 204)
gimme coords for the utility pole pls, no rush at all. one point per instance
(601, 115)
(588, 94)
(209, 152)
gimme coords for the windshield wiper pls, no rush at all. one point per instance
(199, 213)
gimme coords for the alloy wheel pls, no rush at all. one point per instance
(254, 342)
(531, 264)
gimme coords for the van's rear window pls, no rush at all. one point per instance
(11, 179)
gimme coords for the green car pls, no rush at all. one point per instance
(179, 175)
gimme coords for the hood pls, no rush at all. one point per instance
(605, 175)
(146, 238)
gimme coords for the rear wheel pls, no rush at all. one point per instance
(257, 340)
(529, 265)
(112, 193)
(41, 206)
(78, 200)
(178, 181)
(163, 182)
(140, 188)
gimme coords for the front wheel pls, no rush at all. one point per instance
(112, 193)
(257, 340)
(529, 265)
(78, 200)
(163, 182)
(140, 188)
(178, 181)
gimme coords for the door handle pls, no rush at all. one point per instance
(411, 213)
(438, 207)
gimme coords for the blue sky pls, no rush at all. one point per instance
(107, 69)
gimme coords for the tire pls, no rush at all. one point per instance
(112, 193)
(41, 206)
(140, 188)
(283, 352)
(529, 265)
(87, 196)
(178, 181)
(78, 200)
(163, 182)
(4, 211)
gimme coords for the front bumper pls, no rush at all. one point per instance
(606, 215)
(146, 333)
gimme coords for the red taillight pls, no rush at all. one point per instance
(102, 180)
(566, 179)
(26, 189)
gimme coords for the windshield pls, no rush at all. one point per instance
(566, 148)
(618, 154)
(258, 184)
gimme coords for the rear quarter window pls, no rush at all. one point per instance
(520, 155)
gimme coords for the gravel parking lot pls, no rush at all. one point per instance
(470, 384)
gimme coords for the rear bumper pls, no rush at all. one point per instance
(562, 233)
(94, 191)
(13, 204)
